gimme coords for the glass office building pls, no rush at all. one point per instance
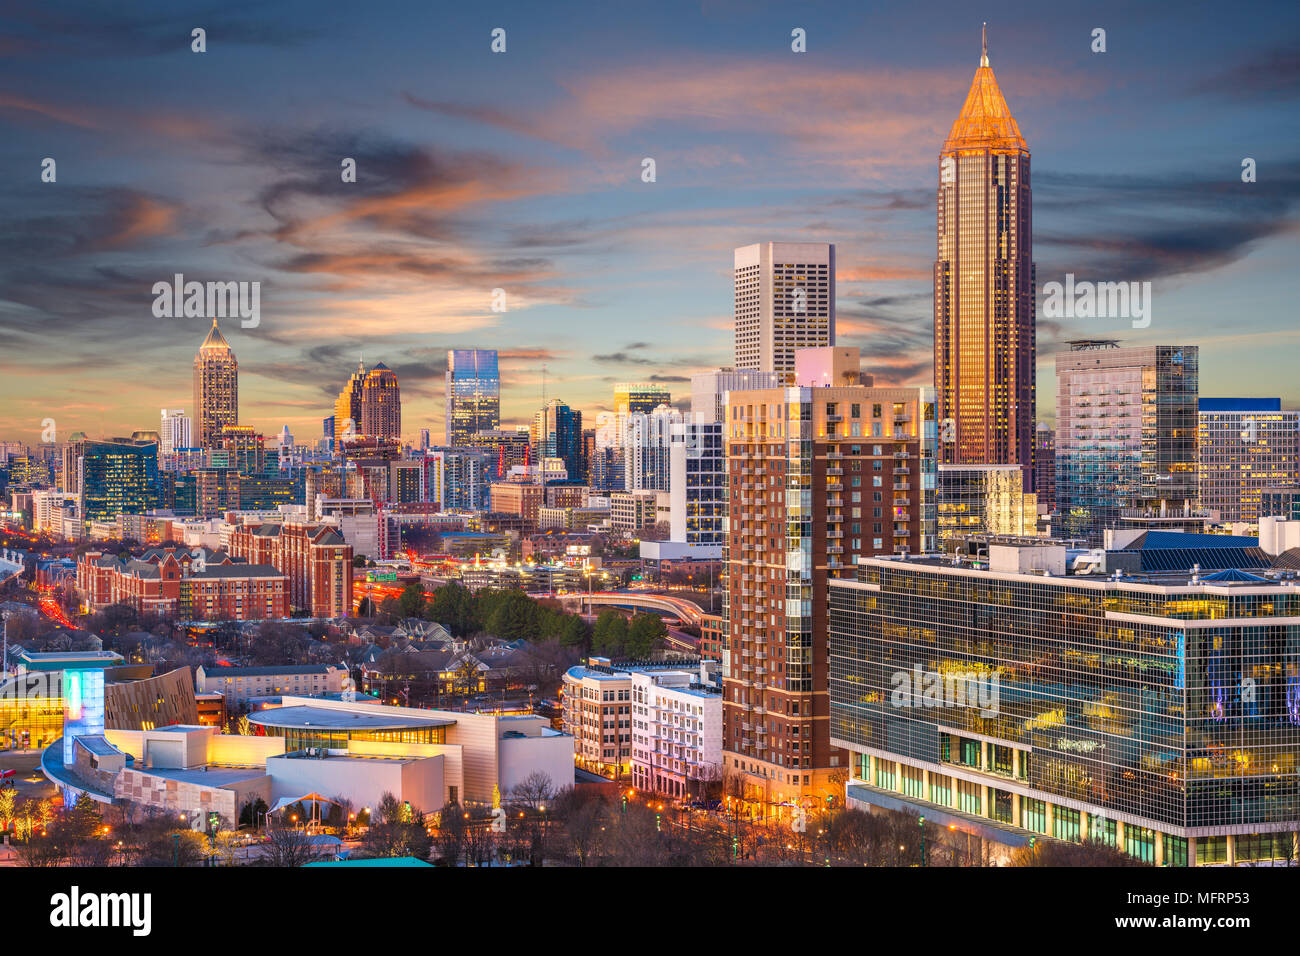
(984, 499)
(1157, 713)
(473, 394)
(1246, 445)
(1125, 434)
(118, 476)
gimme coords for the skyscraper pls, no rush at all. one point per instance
(473, 394)
(1245, 445)
(216, 388)
(347, 407)
(176, 431)
(557, 433)
(785, 300)
(817, 475)
(381, 404)
(1125, 435)
(117, 476)
(984, 342)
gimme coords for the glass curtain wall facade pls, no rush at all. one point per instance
(1159, 715)
(1126, 434)
(1245, 445)
(473, 394)
(984, 336)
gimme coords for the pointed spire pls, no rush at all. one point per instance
(215, 340)
(985, 121)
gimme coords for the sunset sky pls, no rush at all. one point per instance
(522, 171)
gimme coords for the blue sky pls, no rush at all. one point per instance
(521, 171)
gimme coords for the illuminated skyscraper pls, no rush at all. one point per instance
(381, 404)
(557, 433)
(984, 341)
(176, 432)
(347, 407)
(216, 388)
(473, 394)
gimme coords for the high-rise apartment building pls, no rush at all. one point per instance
(473, 394)
(1125, 435)
(381, 404)
(176, 431)
(817, 475)
(984, 342)
(1245, 445)
(216, 388)
(785, 300)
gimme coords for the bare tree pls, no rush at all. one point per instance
(286, 846)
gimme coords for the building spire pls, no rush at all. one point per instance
(984, 45)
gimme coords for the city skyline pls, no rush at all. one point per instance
(590, 256)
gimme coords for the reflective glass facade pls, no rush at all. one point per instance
(1125, 434)
(1169, 707)
(473, 394)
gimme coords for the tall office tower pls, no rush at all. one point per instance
(631, 397)
(1045, 467)
(1245, 446)
(473, 394)
(557, 433)
(347, 407)
(646, 443)
(381, 404)
(1120, 715)
(709, 389)
(588, 452)
(984, 341)
(984, 499)
(785, 300)
(817, 475)
(176, 431)
(216, 388)
(327, 427)
(424, 439)
(1125, 436)
(117, 476)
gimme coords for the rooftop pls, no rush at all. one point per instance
(320, 718)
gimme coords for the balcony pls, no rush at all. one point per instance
(834, 471)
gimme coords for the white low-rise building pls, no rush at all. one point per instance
(676, 730)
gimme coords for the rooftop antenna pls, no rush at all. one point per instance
(984, 45)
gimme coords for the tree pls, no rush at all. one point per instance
(644, 635)
(453, 607)
(396, 829)
(411, 600)
(516, 617)
(468, 677)
(531, 807)
(1088, 853)
(575, 633)
(610, 633)
(252, 811)
(8, 803)
(288, 846)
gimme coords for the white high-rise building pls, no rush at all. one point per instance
(785, 300)
(709, 389)
(176, 431)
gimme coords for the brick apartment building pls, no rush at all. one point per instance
(817, 474)
(173, 583)
(314, 557)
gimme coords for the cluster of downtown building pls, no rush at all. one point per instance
(1126, 581)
